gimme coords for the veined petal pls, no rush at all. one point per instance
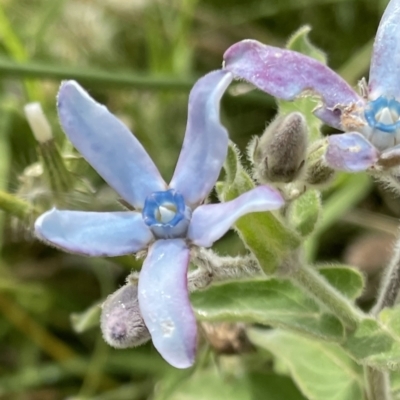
(384, 74)
(206, 141)
(211, 221)
(164, 302)
(350, 152)
(286, 74)
(94, 233)
(108, 145)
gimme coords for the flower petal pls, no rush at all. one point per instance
(206, 141)
(384, 74)
(164, 302)
(211, 221)
(286, 74)
(94, 233)
(350, 152)
(108, 145)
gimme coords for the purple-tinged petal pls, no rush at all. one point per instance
(106, 234)
(206, 141)
(350, 152)
(211, 221)
(164, 302)
(287, 74)
(384, 74)
(108, 145)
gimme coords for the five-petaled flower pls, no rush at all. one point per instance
(167, 219)
(371, 120)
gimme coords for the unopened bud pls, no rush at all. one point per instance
(318, 171)
(38, 122)
(279, 154)
(121, 322)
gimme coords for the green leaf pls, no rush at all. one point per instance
(321, 370)
(305, 211)
(263, 232)
(270, 302)
(87, 319)
(349, 281)
(376, 343)
(300, 42)
(211, 385)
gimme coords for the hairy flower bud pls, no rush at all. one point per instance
(318, 171)
(121, 322)
(279, 154)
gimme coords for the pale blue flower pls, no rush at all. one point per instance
(168, 219)
(372, 119)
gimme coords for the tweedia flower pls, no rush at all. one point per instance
(371, 119)
(168, 219)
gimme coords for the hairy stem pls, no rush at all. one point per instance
(309, 279)
(378, 382)
(390, 285)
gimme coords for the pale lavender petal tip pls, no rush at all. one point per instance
(286, 74)
(350, 152)
(206, 140)
(164, 302)
(211, 221)
(108, 145)
(384, 76)
(94, 233)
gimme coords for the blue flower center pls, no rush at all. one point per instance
(383, 114)
(166, 214)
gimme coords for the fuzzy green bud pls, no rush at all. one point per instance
(318, 171)
(279, 154)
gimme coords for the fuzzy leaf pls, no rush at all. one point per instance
(210, 385)
(263, 233)
(377, 342)
(305, 211)
(349, 281)
(321, 370)
(270, 302)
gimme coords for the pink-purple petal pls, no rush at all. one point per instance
(384, 75)
(206, 141)
(164, 302)
(94, 233)
(350, 152)
(108, 145)
(287, 74)
(211, 221)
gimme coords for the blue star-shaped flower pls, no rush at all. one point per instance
(168, 219)
(371, 120)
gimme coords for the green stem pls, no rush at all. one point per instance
(309, 279)
(95, 77)
(16, 207)
(378, 384)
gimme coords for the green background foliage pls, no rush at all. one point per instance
(140, 58)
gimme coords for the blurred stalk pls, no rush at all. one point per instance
(341, 201)
(127, 79)
(5, 159)
(52, 346)
(17, 51)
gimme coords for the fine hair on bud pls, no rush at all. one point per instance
(279, 154)
(121, 322)
(319, 173)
